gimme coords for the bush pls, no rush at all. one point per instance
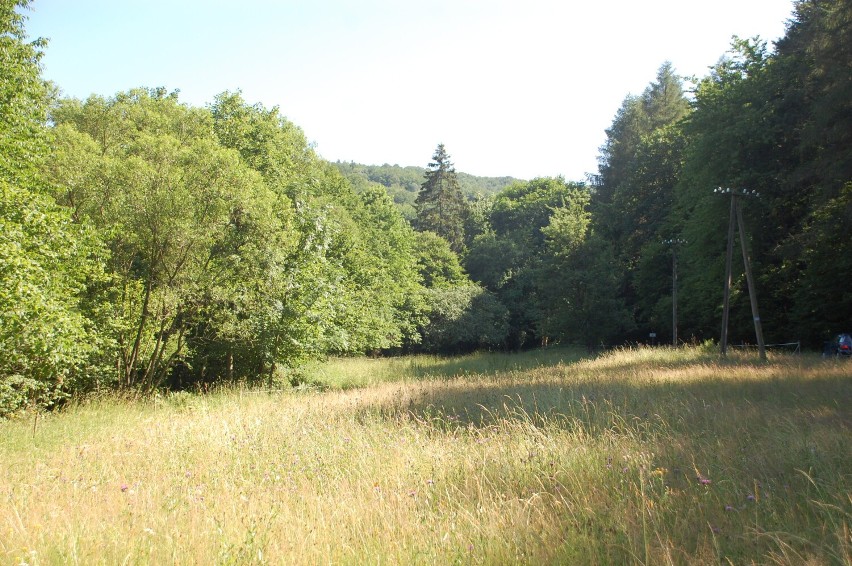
(464, 318)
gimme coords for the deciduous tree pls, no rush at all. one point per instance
(47, 264)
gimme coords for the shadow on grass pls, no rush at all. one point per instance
(769, 428)
(712, 396)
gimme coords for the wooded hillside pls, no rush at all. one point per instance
(403, 183)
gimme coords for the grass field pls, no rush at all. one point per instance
(648, 456)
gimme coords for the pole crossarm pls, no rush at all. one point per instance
(736, 192)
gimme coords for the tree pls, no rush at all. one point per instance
(168, 199)
(580, 287)
(728, 143)
(822, 301)
(47, 335)
(441, 208)
(577, 280)
(23, 97)
(352, 280)
(464, 318)
(777, 123)
(506, 259)
(386, 295)
(438, 264)
(640, 167)
(48, 265)
(638, 163)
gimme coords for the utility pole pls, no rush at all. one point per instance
(674, 242)
(736, 220)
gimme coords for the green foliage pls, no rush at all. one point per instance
(22, 97)
(577, 281)
(823, 298)
(640, 168)
(48, 266)
(235, 248)
(777, 123)
(268, 143)
(388, 302)
(441, 208)
(349, 284)
(147, 170)
(579, 285)
(46, 337)
(403, 183)
(463, 318)
(507, 257)
(438, 264)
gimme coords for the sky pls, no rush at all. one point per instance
(521, 88)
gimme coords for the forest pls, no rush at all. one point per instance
(147, 244)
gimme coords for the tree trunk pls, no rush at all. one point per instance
(130, 364)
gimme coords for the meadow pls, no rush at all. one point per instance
(640, 456)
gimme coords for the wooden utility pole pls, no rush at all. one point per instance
(674, 243)
(736, 219)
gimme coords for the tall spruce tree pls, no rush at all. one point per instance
(440, 205)
(639, 168)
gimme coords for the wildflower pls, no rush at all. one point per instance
(716, 530)
(704, 481)
(729, 508)
(430, 481)
(750, 497)
(124, 487)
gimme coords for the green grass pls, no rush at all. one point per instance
(649, 456)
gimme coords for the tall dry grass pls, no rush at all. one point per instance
(648, 456)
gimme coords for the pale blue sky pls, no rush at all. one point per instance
(523, 88)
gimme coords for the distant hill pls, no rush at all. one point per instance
(403, 183)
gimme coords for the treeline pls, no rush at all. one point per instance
(403, 183)
(146, 243)
(776, 123)
(593, 264)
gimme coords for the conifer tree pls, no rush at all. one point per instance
(441, 208)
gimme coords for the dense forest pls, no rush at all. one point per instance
(146, 243)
